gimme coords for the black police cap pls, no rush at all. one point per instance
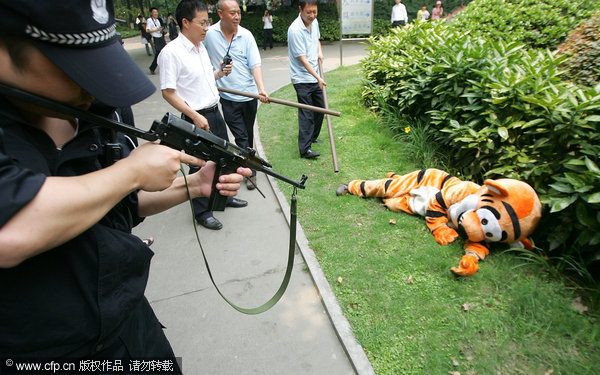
(80, 37)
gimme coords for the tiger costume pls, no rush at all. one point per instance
(503, 210)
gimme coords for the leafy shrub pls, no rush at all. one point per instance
(496, 109)
(583, 47)
(381, 27)
(537, 23)
(283, 17)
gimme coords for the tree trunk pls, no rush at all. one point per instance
(129, 16)
(141, 6)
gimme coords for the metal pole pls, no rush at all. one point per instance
(326, 110)
(341, 34)
(329, 127)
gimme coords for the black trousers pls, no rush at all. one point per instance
(398, 23)
(240, 118)
(142, 337)
(309, 122)
(159, 44)
(218, 128)
(267, 37)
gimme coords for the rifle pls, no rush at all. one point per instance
(177, 134)
(181, 135)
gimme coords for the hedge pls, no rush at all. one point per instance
(536, 23)
(583, 49)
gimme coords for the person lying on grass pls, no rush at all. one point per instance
(503, 210)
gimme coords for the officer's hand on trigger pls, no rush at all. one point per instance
(155, 167)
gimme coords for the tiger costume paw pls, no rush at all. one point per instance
(467, 266)
(445, 235)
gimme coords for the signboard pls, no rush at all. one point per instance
(357, 17)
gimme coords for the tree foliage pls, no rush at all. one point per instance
(536, 23)
(583, 49)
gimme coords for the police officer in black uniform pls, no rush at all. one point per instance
(72, 276)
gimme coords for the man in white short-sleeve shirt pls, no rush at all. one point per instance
(399, 15)
(187, 82)
(154, 27)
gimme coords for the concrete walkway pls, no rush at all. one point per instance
(305, 333)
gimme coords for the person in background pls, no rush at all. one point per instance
(155, 29)
(145, 37)
(187, 82)
(399, 16)
(438, 11)
(227, 36)
(267, 30)
(304, 49)
(172, 26)
(72, 276)
(423, 14)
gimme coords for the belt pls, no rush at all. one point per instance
(212, 109)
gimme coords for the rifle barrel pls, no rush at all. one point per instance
(326, 111)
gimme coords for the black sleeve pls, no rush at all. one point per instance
(18, 185)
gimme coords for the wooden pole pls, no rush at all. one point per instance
(331, 139)
(326, 111)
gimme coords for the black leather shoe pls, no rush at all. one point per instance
(237, 203)
(210, 222)
(317, 141)
(310, 154)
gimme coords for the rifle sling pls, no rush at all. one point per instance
(288, 271)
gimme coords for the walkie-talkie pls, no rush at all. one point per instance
(227, 59)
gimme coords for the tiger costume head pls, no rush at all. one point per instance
(506, 211)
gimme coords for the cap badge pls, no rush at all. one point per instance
(99, 11)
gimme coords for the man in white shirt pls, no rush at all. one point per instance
(399, 16)
(228, 37)
(187, 82)
(154, 27)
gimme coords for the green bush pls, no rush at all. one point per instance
(283, 17)
(537, 23)
(496, 109)
(583, 47)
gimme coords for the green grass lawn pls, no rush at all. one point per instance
(393, 281)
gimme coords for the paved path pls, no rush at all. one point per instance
(305, 333)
